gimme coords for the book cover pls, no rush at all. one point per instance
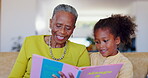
(43, 67)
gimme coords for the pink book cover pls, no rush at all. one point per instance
(43, 67)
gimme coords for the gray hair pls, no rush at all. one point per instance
(66, 8)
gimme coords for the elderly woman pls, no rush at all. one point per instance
(55, 46)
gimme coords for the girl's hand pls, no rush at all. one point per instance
(63, 75)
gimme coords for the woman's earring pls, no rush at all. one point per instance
(72, 36)
(49, 32)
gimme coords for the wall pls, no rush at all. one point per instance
(0, 25)
(139, 9)
(17, 19)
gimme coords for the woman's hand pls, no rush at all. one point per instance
(63, 75)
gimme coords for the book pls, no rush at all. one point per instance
(43, 67)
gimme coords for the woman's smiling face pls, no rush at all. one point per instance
(62, 26)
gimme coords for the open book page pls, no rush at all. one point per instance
(44, 68)
(105, 71)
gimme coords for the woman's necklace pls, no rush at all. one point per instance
(52, 53)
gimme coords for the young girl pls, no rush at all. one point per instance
(108, 34)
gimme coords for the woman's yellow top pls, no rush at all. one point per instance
(76, 54)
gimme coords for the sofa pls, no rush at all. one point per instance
(138, 59)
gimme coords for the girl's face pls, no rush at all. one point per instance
(106, 43)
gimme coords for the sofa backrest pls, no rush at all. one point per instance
(138, 59)
(140, 63)
(7, 60)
